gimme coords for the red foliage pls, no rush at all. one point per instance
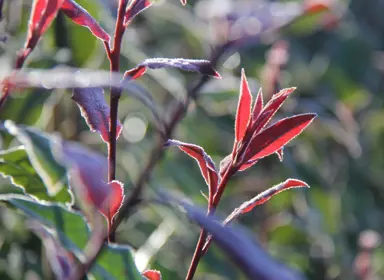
(42, 14)
(113, 202)
(135, 8)
(244, 107)
(266, 195)
(95, 110)
(207, 166)
(80, 16)
(273, 138)
(152, 274)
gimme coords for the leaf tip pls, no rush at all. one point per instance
(217, 75)
(152, 274)
(295, 183)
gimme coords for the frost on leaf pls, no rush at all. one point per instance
(135, 8)
(80, 16)
(243, 113)
(265, 196)
(193, 65)
(258, 107)
(258, 200)
(273, 138)
(95, 110)
(206, 164)
(271, 108)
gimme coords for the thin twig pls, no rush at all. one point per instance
(114, 59)
(156, 154)
(203, 233)
(178, 114)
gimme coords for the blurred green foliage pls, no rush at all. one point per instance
(339, 74)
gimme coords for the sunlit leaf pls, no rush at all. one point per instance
(80, 16)
(152, 274)
(95, 110)
(243, 113)
(15, 164)
(273, 138)
(112, 205)
(38, 146)
(115, 262)
(317, 6)
(247, 165)
(270, 109)
(135, 73)
(206, 164)
(194, 65)
(258, 106)
(265, 196)
(258, 200)
(240, 247)
(135, 8)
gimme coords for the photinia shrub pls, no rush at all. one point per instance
(60, 178)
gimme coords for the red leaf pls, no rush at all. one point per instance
(135, 8)
(60, 260)
(258, 107)
(258, 200)
(243, 108)
(95, 110)
(264, 196)
(113, 203)
(88, 173)
(280, 153)
(270, 109)
(38, 8)
(135, 73)
(247, 165)
(317, 6)
(42, 14)
(273, 138)
(195, 65)
(152, 274)
(80, 16)
(207, 166)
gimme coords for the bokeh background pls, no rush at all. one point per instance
(335, 59)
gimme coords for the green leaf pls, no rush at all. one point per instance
(15, 164)
(38, 146)
(115, 262)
